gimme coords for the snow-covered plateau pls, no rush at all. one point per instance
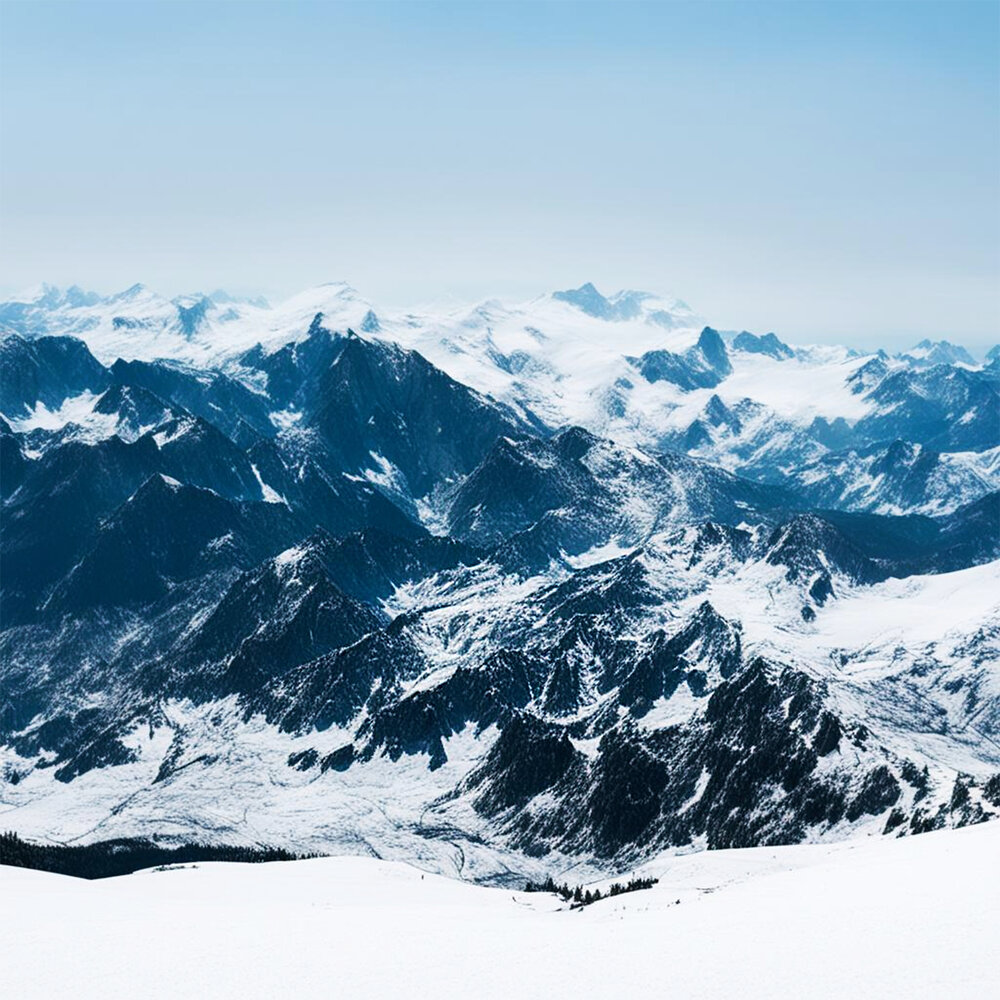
(912, 918)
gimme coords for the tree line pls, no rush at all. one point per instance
(122, 857)
(579, 896)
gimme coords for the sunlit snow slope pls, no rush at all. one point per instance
(912, 918)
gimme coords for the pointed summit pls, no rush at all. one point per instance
(129, 294)
(587, 299)
(370, 323)
(941, 352)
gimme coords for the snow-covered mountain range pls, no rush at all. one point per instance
(511, 589)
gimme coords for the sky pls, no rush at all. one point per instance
(827, 171)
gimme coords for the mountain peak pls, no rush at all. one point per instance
(768, 344)
(587, 299)
(937, 352)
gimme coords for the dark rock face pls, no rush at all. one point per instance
(190, 317)
(870, 374)
(538, 498)
(166, 533)
(708, 642)
(769, 344)
(912, 545)
(46, 370)
(743, 774)
(326, 499)
(190, 450)
(333, 688)
(713, 349)
(136, 408)
(377, 407)
(529, 758)
(517, 483)
(62, 499)
(273, 618)
(834, 434)
(704, 366)
(944, 407)
(213, 396)
(399, 413)
(340, 760)
(488, 695)
(13, 463)
(808, 544)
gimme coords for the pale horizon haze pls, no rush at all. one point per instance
(827, 171)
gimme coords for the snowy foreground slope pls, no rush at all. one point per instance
(910, 918)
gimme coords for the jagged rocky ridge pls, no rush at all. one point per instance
(330, 582)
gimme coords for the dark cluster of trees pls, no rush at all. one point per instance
(121, 857)
(581, 897)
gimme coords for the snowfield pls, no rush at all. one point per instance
(907, 918)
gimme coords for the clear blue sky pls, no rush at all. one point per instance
(829, 171)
